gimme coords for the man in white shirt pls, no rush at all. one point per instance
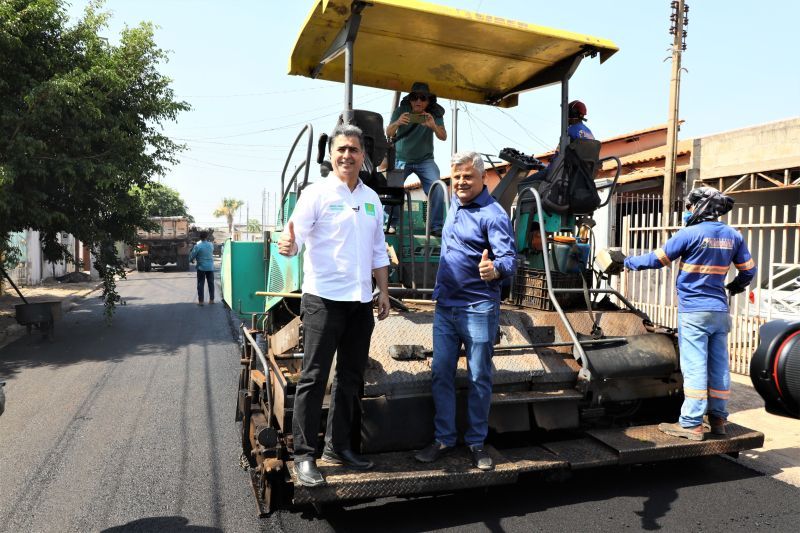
(340, 221)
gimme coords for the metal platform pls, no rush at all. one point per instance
(645, 444)
(398, 473)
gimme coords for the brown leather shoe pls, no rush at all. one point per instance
(676, 430)
(717, 425)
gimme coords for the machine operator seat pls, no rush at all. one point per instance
(376, 148)
(569, 186)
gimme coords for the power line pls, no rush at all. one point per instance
(523, 128)
(251, 94)
(379, 93)
(225, 166)
(266, 130)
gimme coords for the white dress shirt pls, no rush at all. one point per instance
(343, 236)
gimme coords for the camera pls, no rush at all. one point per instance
(416, 118)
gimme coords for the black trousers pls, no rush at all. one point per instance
(205, 276)
(330, 327)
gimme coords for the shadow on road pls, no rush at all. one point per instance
(178, 524)
(138, 329)
(654, 488)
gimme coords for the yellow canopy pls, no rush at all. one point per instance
(462, 55)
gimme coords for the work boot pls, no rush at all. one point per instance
(676, 430)
(716, 424)
(346, 458)
(432, 452)
(308, 474)
(200, 303)
(481, 459)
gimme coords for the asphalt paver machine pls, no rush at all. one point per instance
(581, 377)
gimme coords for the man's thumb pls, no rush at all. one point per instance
(291, 230)
(485, 256)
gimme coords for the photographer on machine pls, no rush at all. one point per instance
(412, 127)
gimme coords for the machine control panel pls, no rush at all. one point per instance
(523, 161)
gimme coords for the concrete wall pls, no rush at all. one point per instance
(772, 146)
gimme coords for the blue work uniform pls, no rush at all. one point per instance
(579, 130)
(706, 251)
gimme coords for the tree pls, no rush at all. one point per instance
(253, 226)
(80, 129)
(162, 201)
(228, 209)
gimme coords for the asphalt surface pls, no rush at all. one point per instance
(130, 428)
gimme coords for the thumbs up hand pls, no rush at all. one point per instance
(486, 268)
(286, 244)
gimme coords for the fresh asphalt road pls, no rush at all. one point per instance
(129, 427)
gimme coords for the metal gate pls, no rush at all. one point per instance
(772, 234)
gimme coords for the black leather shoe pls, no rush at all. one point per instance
(346, 458)
(432, 452)
(307, 473)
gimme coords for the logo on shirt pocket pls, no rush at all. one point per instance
(369, 209)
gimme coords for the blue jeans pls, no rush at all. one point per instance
(428, 173)
(703, 339)
(206, 276)
(475, 326)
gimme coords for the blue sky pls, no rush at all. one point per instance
(228, 59)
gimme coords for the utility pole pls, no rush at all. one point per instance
(679, 20)
(454, 127)
(263, 210)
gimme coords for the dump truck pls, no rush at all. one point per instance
(581, 376)
(169, 243)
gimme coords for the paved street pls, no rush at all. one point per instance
(130, 428)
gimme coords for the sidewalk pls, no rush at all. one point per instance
(68, 293)
(780, 456)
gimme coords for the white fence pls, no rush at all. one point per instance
(772, 234)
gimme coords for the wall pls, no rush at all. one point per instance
(772, 146)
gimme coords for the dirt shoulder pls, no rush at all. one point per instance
(49, 290)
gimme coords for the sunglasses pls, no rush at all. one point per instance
(418, 96)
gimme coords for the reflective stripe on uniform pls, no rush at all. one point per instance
(662, 256)
(721, 394)
(747, 265)
(697, 394)
(704, 269)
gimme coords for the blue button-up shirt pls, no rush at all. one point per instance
(203, 252)
(467, 232)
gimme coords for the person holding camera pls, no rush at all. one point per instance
(706, 248)
(413, 125)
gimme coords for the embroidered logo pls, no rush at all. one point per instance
(370, 209)
(721, 244)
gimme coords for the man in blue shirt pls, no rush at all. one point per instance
(577, 116)
(202, 252)
(706, 247)
(478, 252)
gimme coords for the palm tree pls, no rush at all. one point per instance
(228, 209)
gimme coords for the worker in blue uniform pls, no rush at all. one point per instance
(577, 116)
(706, 248)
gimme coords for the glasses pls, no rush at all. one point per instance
(417, 96)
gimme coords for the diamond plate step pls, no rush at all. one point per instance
(398, 473)
(647, 444)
